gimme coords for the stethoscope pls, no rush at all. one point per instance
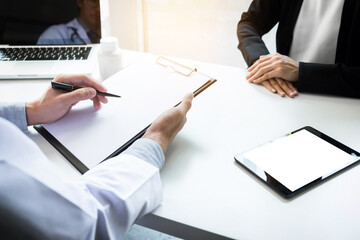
(76, 34)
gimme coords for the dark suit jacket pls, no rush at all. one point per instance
(341, 78)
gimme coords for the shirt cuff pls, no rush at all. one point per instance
(15, 113)
(148, 150)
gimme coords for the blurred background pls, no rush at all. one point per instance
(203, 30)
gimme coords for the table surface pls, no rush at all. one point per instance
(205, 189)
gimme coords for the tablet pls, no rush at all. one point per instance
(297, 161)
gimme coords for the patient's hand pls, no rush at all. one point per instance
(273, 66)
(280, 87)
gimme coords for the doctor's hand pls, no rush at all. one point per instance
(273, 66)
(164, 129)
(55, 104)
(280, 87)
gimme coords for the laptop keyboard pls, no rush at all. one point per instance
(44, 53)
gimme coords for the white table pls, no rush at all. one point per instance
(207, 195)
(204, 188)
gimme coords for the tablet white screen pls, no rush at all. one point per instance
(299, 159)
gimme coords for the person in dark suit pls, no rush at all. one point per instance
(318, 46)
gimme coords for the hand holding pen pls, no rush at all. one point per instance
(55, 104)
(69, 88)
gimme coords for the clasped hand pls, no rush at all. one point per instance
(276, 73)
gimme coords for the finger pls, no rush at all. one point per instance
(260, 71)
(274, 83)
(275, 56)
(253, 66)
(268, 86)
(293, 89)
(186, 103)
(96, 103)
(102, 99)
(80, 81)
(272, 65)
(266, 76)
(285, 87)
(267, 57)
(77, 95)
(260, 60)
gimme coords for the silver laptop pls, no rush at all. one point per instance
(43, 38)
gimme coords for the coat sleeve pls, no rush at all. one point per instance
(260, 18)
(36, 203)
(334, 79)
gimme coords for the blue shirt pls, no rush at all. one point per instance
(69, 33)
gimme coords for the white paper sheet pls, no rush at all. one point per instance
(147, 90)
(299, 159)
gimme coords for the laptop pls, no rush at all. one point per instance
(44, 38)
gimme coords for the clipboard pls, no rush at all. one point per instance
(150, 86)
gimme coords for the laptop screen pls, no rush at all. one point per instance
(44, 22)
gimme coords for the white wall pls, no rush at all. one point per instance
(202, 30)
(123, 22)
(198, 29)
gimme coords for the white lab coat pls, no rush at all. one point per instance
(36, 203)
(69, 33)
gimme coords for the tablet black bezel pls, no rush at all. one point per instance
(279, 187)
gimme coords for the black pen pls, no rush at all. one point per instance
(69, 88)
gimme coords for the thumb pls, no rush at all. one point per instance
(186, 103)
(78, 95)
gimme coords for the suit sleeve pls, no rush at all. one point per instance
(260, 18)
(334, 79)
